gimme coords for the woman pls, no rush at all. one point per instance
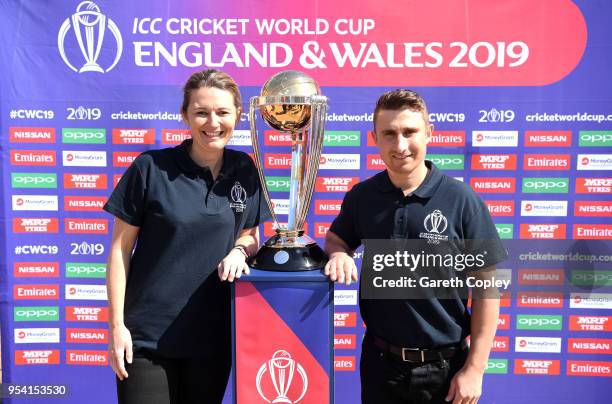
(182, 214)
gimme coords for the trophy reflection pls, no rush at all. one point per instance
(291, 102)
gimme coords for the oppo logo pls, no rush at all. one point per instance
(31, 313)
(84, 135)
(42, 179)
(539, 322)
(545, 185)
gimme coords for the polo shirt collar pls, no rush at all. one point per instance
(425, 190)
(187, 165)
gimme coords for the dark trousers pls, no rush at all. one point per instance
(155, 380)
(385, 379)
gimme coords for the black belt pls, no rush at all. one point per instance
(414, 354)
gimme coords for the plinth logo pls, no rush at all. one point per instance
(280, 371)
(89, 26)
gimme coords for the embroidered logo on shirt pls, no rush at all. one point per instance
(239, 197)
(435, 223)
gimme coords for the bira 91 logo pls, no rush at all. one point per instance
(594, 162)
(546, 162)
(327, 207)
(543, 231)
(86, 336)
(346, 319)
(589, 345)
(590, 323)
(548, 138)
(83, 357)
(541, 277)
(274, 138)
(35, 225)
(124, 159)
(450, 138)
(84, 135)
(31, 135)
(501, 344)
(540, 299)
(593, 185)
(493, 185)
(344, 341)
(37, 357)
(589, 368)
(277, 160)
(500, 208)
(33, 158)
(537, 366)
(84, 203)
(344, 363)
(175, 136)
(499, 138)
(36, 292)
(87, 314)
(593, 208)
(133, 136)
(494, 162)
(335, 184)
(593, 231)
(36, 269)
(375, 162)
(86, 226)
(503, 322)
(85, 181)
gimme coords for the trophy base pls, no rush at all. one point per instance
(288, 259)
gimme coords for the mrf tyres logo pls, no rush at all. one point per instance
(89, 26)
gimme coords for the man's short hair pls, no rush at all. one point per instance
(401, 99)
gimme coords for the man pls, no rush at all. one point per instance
(414, 350)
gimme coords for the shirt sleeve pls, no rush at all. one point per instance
(128, 200)
(481, 233)
(345, 224)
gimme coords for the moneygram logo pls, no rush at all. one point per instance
(280, 206)
(537, 366)
(447, 139)
(345, 297)
(81, 158)
(36, 292)
(84, 136)
(240, 137)
(86, 226)
(82, 357)
(344, 363)
(87, 314)
(593, 185)
(590, 300)
(35, 225)
(594, 162)
(89, 26)
(500, 208)
(494, 162)
(501, 138)
(589, 345)
(36, 335)
(335, 184)
(540, 299)
(532, 185)
(548, 138)
(593, 208)
(543, 231)
(342, 138)
(37, 357)
(124, 159)
(84, 203)
(85, 270)
(544, 208)
(34, 202)
(327, 207)
(589, 368)
(593, 231)
(339, 162)
(175, 136)
(86, 336)
(448, 161)
(537, 344)
(133, 136)
(277, 184)
(347, 319)
(493, 185)
(592, 138)
(540, 277)
(36, 313)
(497, 366)
(85, 292)
(538, 322)
(505, 231)
(33, 180)
(546, 162)
(31, 135)
(33, 157)
(591, 278)
(344, 341)
(590, 323)
(36, 269)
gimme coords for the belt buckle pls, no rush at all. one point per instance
(404, 350)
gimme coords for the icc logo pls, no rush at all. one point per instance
(89, 26)
(435, 222)
(280, 371)
(239, 197)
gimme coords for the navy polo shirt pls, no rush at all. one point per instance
(175, 303)
(376, 209)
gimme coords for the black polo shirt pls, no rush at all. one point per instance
(175, 303)
(376, 209)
